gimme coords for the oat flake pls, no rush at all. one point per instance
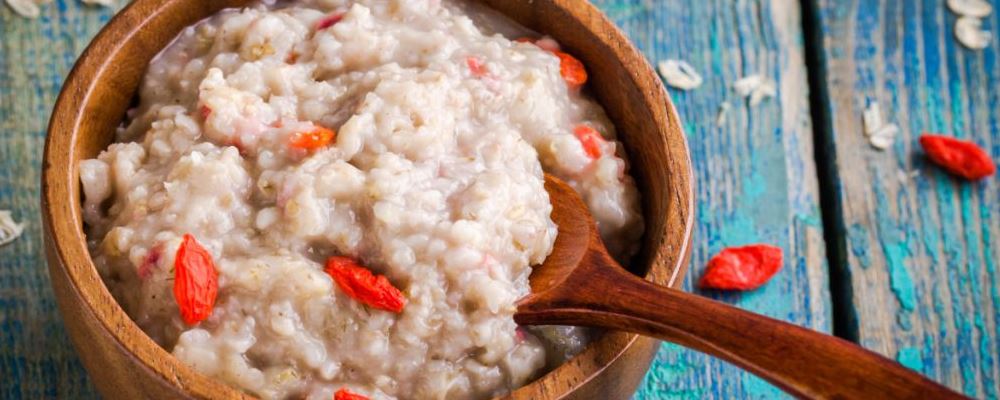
(746, 85)
(880, 134)
(872, 119)
(9, 230)
(884, 137)
(970, 8)
(25, 8)
(756, 87)
(766, 90)
(105, 3)
(969, 31)
(679, 74)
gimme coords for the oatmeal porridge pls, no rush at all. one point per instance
(321, 196)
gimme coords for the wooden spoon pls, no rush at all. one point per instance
(580, 284)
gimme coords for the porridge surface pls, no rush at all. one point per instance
(434, 179)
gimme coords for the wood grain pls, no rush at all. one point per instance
(36, 359)
(920, 253)
(755, 174)
(724, 39)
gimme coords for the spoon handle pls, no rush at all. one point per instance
(803, 362)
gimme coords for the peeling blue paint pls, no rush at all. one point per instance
(895, 247)
(811, 219)
(911, 358)
(754, 186)
(929, 364)
(748, 191)
(899, 278)
(737, 230)
(858, 237)
(624, 10)
(966, 365)
(937, 234)
(758, 388)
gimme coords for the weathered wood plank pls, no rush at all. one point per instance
(755, 177)
(921, 252)
(756, 180)
(36, 358)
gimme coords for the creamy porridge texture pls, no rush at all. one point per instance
(404, 140)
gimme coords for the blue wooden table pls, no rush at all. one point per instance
(881, 247)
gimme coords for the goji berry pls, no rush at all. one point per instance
(572, 70)
(196, 282)
(205, 111)
(329, 20)
(742, 268)
(591, 140)
(344, 394)
(360, 284)
(476, 66)
(959, 157)
(312, 140)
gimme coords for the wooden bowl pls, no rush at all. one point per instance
(125, 363)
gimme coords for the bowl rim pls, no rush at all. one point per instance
(66, 240)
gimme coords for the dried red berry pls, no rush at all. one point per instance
(742, 268)
(344, 394)
(959, 157)
(591, 140)
(312, 140)
(360, 284)
(329, 20)
(476, 66)
(196, 282)
(572, 70)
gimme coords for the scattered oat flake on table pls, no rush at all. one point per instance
(880, 134)
(679, 74)
(969, 31)
(25, 8)
(105, 3)
(756, 87)
(765, 91)
(9, 230)
(747, 84)
(872, 119)
(884, 137)
(970, 8)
